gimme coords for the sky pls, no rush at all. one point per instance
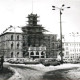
(14, 12)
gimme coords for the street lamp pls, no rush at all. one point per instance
(60, 10)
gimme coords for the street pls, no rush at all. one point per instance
(62, 74)
(29, 73)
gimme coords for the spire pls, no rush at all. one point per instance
(32, 6)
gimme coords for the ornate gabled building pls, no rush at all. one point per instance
(31, 43)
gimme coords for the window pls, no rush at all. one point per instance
(18, 46)
(11, 54)
(42, 53)
(75, 50)
(11, 37)
(18, 37)
(53, 38)
(24, 54)
(23, 44)
(67, 53)
(66, 44)
(37, 53)
(17, 54)
(66, 48)
(12, 45)
(23, 37)
(32, 53)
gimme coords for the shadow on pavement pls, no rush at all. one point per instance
(57, 74)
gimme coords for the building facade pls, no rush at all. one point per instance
(31, 43)
(71, 45)
(11, 44)
(51, 43)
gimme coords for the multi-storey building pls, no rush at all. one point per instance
(11, 44)
(31, 43)
(51, 43)
(71, 45)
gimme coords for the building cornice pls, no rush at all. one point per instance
(10, 33)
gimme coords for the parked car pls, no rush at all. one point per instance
(51, 62)
(55, 62)
(10, 61)
(45, 63)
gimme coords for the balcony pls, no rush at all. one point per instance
(37, 48)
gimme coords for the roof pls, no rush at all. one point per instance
(9, 33)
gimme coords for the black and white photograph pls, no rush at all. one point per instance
(39, 39)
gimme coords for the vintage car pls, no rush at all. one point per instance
(51, 62)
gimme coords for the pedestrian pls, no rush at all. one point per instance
(2, 60)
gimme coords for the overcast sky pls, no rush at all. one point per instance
(14, 12)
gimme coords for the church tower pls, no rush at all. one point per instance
(34, 37)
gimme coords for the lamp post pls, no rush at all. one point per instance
(60, 10)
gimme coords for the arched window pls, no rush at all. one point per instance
(11, 37)
(32, 53)
(23, 54)
(17, 54)
(42, 53)
(11, 54)
(18, 46)
(12, 45)
(37, 53)
(18, 37)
